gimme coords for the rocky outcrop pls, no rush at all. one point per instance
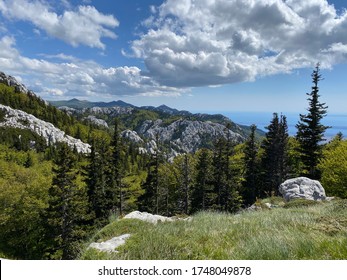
(150, 218)
(23, 120)
(96, 121)
(186, 136)
(303, 188)
(110, 245)
(132, 136)
(110, 111)
(12, 82)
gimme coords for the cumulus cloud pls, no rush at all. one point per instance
(210, 42)
(73, 77)
(85, 25)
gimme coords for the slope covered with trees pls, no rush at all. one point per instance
(52, 198)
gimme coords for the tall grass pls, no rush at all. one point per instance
(307, 231)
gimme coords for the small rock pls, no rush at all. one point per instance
(147, 217)
(110, 245)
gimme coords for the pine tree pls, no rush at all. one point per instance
(274, 160)
(310, 130)
(201, 192)
(115, 192)
(67, 214)
(96, 182)
(251, 185)
(149, 200)
(227, 196)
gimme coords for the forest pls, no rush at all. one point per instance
(53, 198)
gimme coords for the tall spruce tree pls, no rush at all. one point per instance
(251, 185)
(274, 160)
(97, 183)
(310, 129)
(227, 196)
(67, 215)
(116, 191)
(149, 200)
(200, 198)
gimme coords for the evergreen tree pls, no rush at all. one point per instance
(97, 183)
(274, 160)
(67, 214)
(251, 185)
(310, 129)
(200, 199)
(115, 192)
(149, 200)
(227, 196)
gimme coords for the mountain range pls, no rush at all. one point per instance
(178, 131)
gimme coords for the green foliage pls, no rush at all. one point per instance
(23, 199)
(333, 166)
(251, 184)
(67, 213)
(274, 162)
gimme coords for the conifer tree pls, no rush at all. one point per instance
(224, 186)
(200, 199)
(149, 200)
(251, 185)
(97, 183)
(274, 159)
(67, 214)
(115, 191)
(310, 129)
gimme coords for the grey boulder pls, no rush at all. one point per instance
(303, 188)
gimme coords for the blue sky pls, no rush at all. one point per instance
(202, 55)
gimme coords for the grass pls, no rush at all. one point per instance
(299, 231)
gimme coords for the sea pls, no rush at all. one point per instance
(338, 122)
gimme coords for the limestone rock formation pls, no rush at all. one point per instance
(96, 121)
(303, 188)
(186, 136)
(132, 136)
(23, 120)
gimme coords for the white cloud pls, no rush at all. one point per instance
(74, 77)
(85, 25)
(211, 42)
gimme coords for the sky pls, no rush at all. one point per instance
(196, 55)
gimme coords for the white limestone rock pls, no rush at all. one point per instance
(147, 217)
(303, 188)
(110, 245)
(185, 135)
(96, 121)
(132, 136)
(23, 120)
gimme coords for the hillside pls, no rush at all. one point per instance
(22, 109)
(292, 231)
(179, 131)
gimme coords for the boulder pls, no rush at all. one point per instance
(303, 188)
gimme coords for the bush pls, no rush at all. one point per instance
(334, 169)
